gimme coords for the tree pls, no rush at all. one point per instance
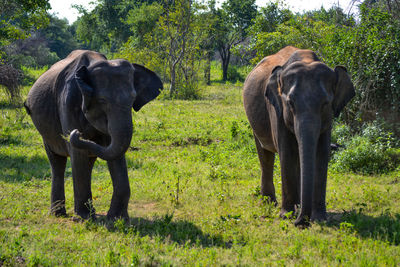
(59, 36)
(169, 38)
(18, 17)
(233, 20)
(176, 26)
(104, 28)
(107, 27)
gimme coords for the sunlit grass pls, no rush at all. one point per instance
(194, 179)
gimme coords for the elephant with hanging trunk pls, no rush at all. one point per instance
(82, 107)
(290, 99)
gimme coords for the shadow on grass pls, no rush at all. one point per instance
(181, 232)
(385, 227)
(21, 168)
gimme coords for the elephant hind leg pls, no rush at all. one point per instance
(267, 159)
(58, 164)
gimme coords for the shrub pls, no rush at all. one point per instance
(234, 75)
(371, 152)
(10, 79)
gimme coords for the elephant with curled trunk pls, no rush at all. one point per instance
(290, 100)
(82, 107)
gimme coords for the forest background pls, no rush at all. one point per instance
(192, 163)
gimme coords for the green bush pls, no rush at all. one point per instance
(234, 75)
(371, 152)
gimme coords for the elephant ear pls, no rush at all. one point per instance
(82, 81)
(343, 91)
(272, 91)
(147, 85)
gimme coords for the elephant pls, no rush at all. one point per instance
(290, 99)
(82, 108)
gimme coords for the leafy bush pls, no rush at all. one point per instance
(187, 90)
(234, 75)
(371, 152)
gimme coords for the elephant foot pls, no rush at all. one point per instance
(302, 222)
(287, 213)
(87, 212)
(58, 211)
(57, 208)
(318, 217)
(113, 215)
(87, 215)
(266, 199)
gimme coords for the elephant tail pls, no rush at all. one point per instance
(27, 108)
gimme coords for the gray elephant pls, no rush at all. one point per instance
(89, 99)
(290, 99)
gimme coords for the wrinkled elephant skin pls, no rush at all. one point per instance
(290, 99)
(82, 107)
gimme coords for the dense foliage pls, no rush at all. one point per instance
(372, 151)
(18, 17)
(369, 48)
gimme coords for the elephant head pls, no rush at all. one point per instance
(307, 95)
(109, 90)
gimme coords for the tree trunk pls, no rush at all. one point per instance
(172, 86)
(225, 54)
(207, 69)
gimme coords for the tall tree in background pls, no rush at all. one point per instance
(19, 17)
(104, 28)
(208, 17)
(59, 36)
(234, 18)
(175, 24)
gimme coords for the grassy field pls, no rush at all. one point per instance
(194, 178)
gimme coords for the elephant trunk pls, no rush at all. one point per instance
(307, 134)
(120, 130)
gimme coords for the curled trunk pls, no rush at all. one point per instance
(120, 131)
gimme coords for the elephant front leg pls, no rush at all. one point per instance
(121, 193)
(319, 193)
(290, 175)
(58, 164)
(82, 166)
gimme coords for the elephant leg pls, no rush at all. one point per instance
(121, 193)
(58, 163)
(319, 193)
(267, 159)
(82, 166)
(290, 175)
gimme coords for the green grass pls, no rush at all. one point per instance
(194, 178)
